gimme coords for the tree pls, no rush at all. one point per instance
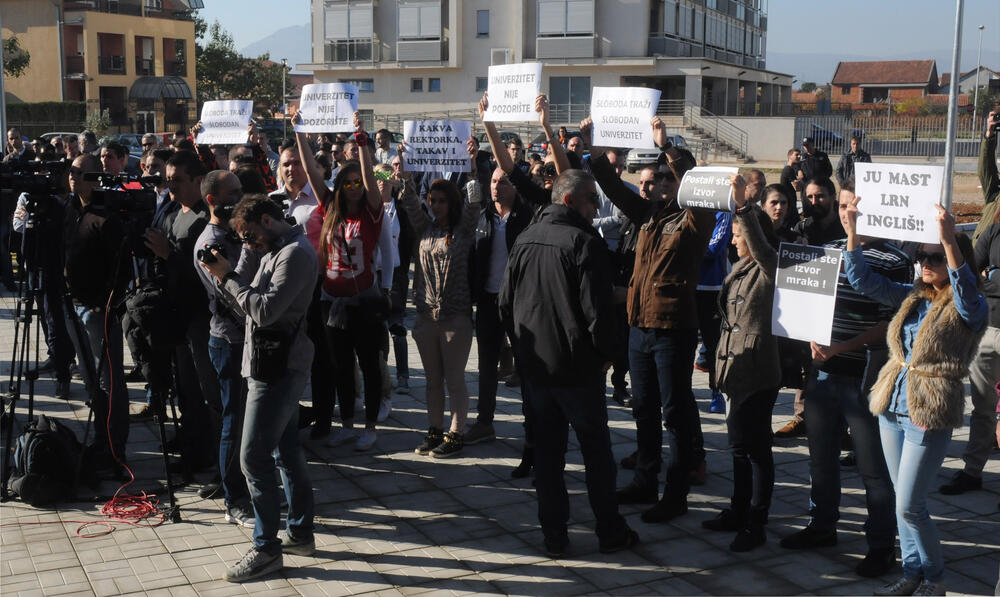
(223, 73)
(15, 58)
(808, 87)
(98, 121)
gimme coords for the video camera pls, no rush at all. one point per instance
(38, 181)
(131, 198)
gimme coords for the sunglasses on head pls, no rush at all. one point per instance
(931, 259)
(352, 184)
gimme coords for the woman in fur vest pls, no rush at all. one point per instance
(919, 396)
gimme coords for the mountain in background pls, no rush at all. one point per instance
(293, 43)
(819, 67)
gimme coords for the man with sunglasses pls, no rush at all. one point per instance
(71, 147)
(148, 142)
(837, 391)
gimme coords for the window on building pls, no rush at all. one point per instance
(685, 21)
(416, 84)
(482, 23)
(434, 84)
(845, 89)
(569, 90)
(699, 24)
(419, 19)
(348, 19)
(363, 85)
(670, 17)
(565, 17)
(482, 83)
(713, 4)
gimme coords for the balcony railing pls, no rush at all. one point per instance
(74, 65)
(111, 65)
(143, 66)
(110, 6)
(175, 68)
(352, 50)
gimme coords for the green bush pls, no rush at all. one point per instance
(47, 112)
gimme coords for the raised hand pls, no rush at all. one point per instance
(946, 224)
(587, 130)
(484, 104)
(542, 107)
(739, 190)
(659, 131)
(296, 116)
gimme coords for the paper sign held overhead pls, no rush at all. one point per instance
(512, 90)
(805, 293)
(437, 145)
(328, 108)
(622, 115)
(707, 187)
(224, 122)
(897, 201)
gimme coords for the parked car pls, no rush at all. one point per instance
(47, 137)
(505, 136)
(131, 141)
(638, 159)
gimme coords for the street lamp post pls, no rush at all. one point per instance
(979, 60)
(284, 102)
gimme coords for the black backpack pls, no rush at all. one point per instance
(45, 462)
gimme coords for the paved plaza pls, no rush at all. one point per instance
(390, 522)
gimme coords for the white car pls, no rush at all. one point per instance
(638, 159)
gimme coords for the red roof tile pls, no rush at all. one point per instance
(885, 72)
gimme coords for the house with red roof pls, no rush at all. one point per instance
(881, 81)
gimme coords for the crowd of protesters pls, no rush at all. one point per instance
(281, 269)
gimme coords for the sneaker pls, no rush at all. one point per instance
(701, 365)
(930, 588)
(479, 432)
(365, 441)
(212, 489)
(432, 440)
(726, 520)
(903, 586)
(748, 538)
(451, 446)
(241, 514)
(297, 547)
(793, 428)
(876, 563)
(342, 436)
(633, 493)
(384, 408)
(62, 389)
(254, 564)
(960, 483)
(523, 468)
(629, 540)
(665, 511)
(810, 537)
(718, 404)
(402, 385)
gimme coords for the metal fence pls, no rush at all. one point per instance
(890, 134)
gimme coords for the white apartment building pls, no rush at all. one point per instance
(410, 56)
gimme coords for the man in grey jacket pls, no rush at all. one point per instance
(276, 300)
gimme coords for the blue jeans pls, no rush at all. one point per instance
(661, 363)
(271, 438)
(227, 358)
(112, 376)
(914, 456)
(831, 400)
(583, 407)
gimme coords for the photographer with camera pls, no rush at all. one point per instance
(173, 244)
(276, 357)
(221, 190)
(96, 276)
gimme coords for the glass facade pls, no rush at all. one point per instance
(732, 31)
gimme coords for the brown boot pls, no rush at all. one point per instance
(794, 428)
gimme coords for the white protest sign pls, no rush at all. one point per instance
(707, 187)
(224, 122)
(512, 91)
(328, 108)
(897, 201)
(622, 115)
(805, 293)
(437, 145)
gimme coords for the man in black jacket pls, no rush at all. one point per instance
(813, 164)
(556, 300)
(845, 167)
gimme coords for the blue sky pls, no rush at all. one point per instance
(805, 37)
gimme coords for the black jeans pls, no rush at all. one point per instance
(489, 340)
(362, 337)
(621, 359)
(750, 438)
(322, 374)
(710, 327)
(583, 407)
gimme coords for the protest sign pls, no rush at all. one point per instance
(328, 108)
(224, 122)
(897, 201)
(805, 292)
(437, 145)
(512, 89)
(707, 187)
(622, 116)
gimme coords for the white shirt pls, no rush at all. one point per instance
(498, 254)
(301, 206)
(384, 156)
(388, 246)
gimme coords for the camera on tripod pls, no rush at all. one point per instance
(131, 198)
(39, 182)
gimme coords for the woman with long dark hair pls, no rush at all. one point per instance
(354, 302)
(776, 204)
(443, 296)
(920, 393)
